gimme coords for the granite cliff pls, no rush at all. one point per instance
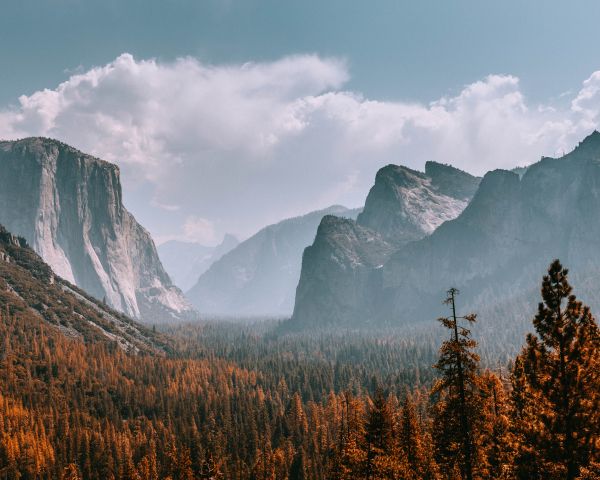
(68, 206)
(342, 271)
(495, 252)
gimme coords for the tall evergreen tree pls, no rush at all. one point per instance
(458, 409)
(379, 436)
(494, 438)
(556, 384)
(410, 438)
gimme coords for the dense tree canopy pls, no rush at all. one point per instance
(244, 402)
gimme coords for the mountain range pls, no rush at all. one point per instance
(388, 264)
(69, 208)
(512, 228)
(341, 278)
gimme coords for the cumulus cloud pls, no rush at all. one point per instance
(206, 149)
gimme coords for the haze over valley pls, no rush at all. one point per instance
(269, 240)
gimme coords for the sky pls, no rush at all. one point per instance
(225, 115)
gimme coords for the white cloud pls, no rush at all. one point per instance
(206, 149)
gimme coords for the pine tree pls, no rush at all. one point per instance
(350, 455)
(381, 455)
(410, 439)
(556, 384)
(457, 411)
(494, 437)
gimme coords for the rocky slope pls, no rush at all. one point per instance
(341, 278)
(341, 274)
(68, 206)
(405, 205)
(186, 261)
(30, 289)
(260, 275)
(496, 251)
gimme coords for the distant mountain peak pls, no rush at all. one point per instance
(589, 147)
(405, 204)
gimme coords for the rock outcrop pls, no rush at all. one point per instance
(406, 205)
(341, 282)
(341, 274)
(68, 205)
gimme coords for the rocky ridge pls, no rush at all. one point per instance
(494, 252)
(29, 288)
(342, 271)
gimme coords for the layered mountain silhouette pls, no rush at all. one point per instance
(494, 252)
(68, 206)
(260, 275)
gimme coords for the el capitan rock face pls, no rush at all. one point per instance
(68, 205)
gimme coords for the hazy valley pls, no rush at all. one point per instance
(261, 240)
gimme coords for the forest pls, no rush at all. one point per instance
(232, 401)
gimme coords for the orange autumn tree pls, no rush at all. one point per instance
(556, 388)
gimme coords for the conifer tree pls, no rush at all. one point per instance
(494, 438)
(70, 472)
(556, 385)
(350, 452)
(383, 457)
(458, 409)
(410, 439)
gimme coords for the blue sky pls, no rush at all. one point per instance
(325, 92)
(396, 49)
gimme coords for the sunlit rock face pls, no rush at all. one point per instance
(342, 272)
(68, 205)
(406, 205)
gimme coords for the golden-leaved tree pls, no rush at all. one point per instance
(556, 388)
